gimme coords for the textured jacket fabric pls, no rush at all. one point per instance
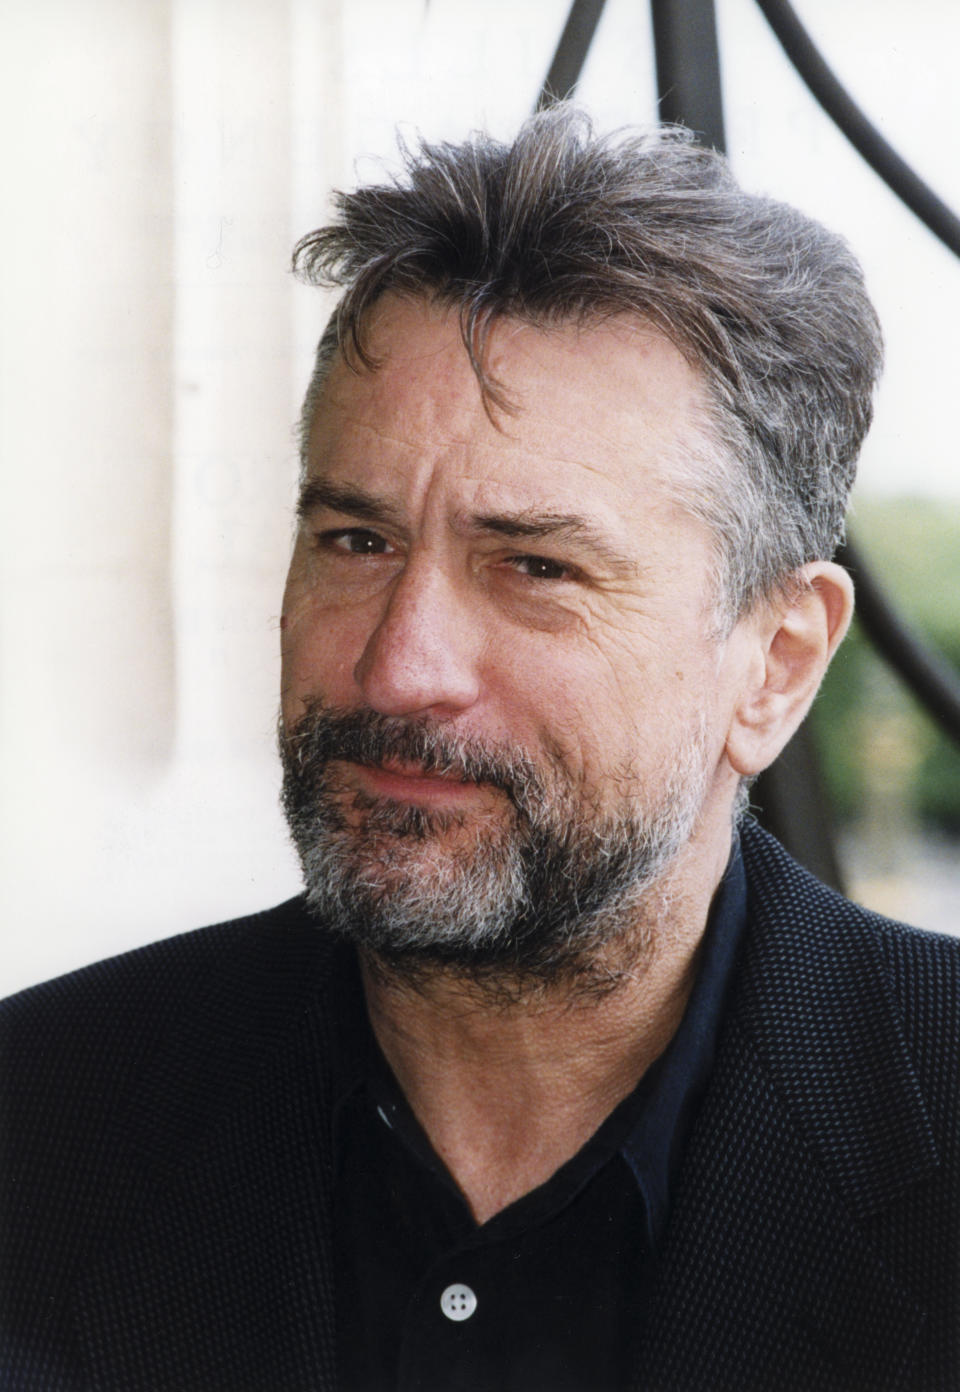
(168, 1166)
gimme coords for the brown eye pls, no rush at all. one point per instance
(357, 541)
(541, 568)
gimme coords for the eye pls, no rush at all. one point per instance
(543, 568)
(356, 541)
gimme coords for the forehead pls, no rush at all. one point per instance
(596, 411)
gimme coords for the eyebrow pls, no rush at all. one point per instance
(525, 525)
(347, 498)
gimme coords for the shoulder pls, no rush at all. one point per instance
(782, 892)
(836, 971)
(91, 1061)
(112, 1076)
(72, 1050)
(130, 996)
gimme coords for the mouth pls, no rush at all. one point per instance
(402, 781)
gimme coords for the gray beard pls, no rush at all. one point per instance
(532, 895)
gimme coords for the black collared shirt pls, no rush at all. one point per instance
(549, 1294)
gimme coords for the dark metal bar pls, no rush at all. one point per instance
(790, 799)
(924, 672)
(688, 67)
(571, 54)
(862, 134)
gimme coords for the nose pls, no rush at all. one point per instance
(422, 656)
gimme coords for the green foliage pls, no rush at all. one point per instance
(874, 738)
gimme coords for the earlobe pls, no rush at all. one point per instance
(794, 639)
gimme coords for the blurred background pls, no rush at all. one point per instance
(160, 159)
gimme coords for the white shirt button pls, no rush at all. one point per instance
(458, 1302)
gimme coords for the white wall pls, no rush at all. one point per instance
(150, 376)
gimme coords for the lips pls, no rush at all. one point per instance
(403, 781)
(403, 769)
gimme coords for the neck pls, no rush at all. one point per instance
(509, 1080)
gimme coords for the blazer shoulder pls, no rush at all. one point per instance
(132, 988)
(924, 970)
(781, 884)
(72, 1047)
(110, 1074)
(852, 968)
(87, 1059)
(918, 953)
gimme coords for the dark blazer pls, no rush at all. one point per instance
(168, 1165)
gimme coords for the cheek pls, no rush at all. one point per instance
(573, 700)
(621, 709)
(319, 650)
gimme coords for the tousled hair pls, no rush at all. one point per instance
(568, 226)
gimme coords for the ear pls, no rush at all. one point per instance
(792, 642)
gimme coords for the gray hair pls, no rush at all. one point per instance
(565, 225)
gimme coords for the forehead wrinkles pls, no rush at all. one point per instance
(600, 409)
(425, 426)
(422, 382)
(626, 376)
(369, 431)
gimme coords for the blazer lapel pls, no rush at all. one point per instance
(812, 1125)
(221, 1279)
(766, 1281)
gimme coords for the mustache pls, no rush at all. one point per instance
(366, 737)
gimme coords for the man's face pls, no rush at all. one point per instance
(499, 679)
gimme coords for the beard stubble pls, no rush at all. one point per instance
(539, 885)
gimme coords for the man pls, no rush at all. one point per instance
(552, 1079)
